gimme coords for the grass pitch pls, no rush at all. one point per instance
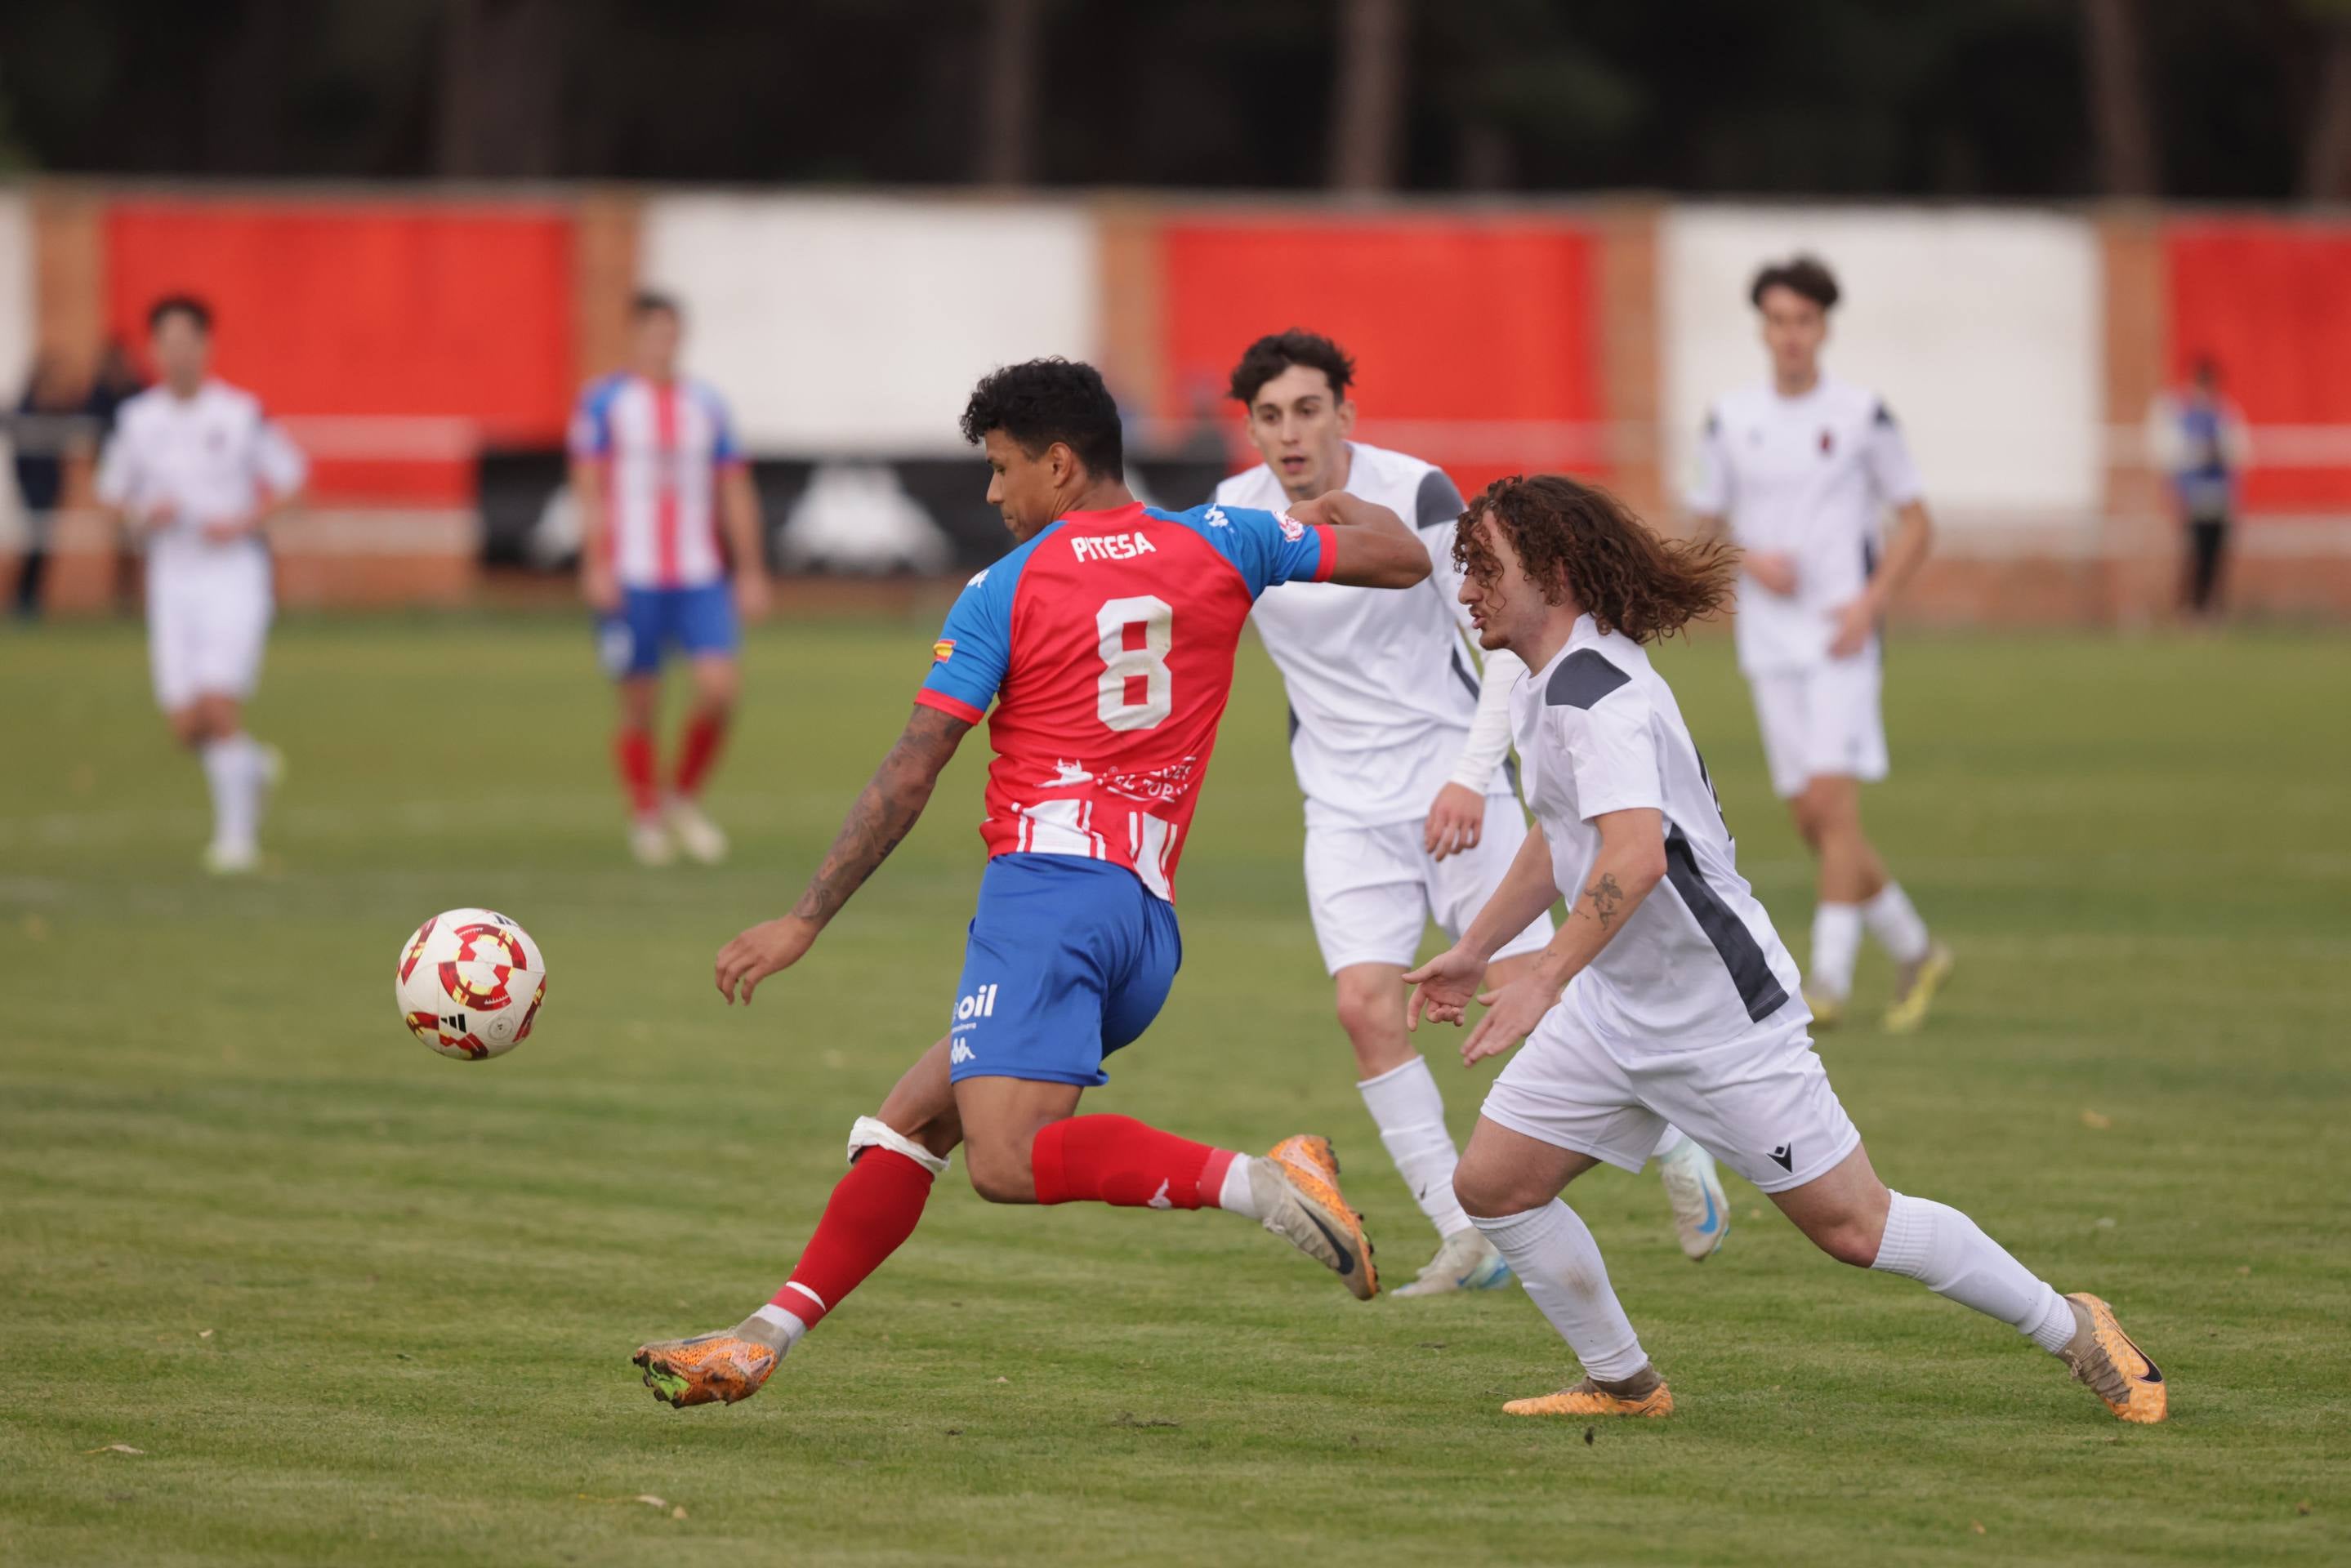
(354, 1303)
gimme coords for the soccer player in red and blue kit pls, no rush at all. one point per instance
(1106, 640)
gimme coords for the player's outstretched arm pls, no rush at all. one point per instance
(1631, 862)
(1372, 547)
(885, 812)
(1444, 985)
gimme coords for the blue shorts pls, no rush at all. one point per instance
(699, 620)
(1067, 960)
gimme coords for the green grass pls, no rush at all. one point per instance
(360, 1304)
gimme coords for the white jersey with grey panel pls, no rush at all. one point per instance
(1383, 692)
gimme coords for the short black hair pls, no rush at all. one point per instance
(1806, 275)
(1042, 401)
(187, 305)
(2206, 369)
(1275, 352)
(653, 302)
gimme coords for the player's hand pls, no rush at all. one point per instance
(765, 949)
(1443, 987)
(1456, 821)
(229, 530)
(1772, 570)
(600, 588)
(1854, 622)
(1512, 1015)
(156, 517)
(1323, 511)
(752, 594)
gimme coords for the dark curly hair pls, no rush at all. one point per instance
(1042, 401)
(1578, 541)
(1806, 275)
(1275, 352)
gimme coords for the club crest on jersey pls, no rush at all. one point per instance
(942, 651)
(1828, 443)
(1291, 528)
(1111, 547)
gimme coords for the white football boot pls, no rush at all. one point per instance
(1694, 1188)
(700, 839)
(649, 841)
(1465, 1261)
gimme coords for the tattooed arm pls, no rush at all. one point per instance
(885, 812)
(1631, 861)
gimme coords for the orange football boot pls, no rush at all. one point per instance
(1296, 1186)
(2116, 1369)
(1588, 1398)
(709, 1368)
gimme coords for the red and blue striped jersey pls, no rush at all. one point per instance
(1106, 643)
(662, 446)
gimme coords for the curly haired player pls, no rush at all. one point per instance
(1665, 995)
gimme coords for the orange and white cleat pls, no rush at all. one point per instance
(1588, 1398)
(707, 1369)
(2116, 1369)
(1296, 1187)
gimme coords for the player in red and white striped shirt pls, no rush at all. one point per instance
(656, 469)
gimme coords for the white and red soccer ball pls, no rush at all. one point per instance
(469, 983)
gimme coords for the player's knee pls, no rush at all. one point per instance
(1488, 1191)
(1850, 1238)
(1000, 1171)
(1373, 1016)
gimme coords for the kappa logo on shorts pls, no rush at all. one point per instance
(981, 1004)
(960, 1054)
(1784, 1157)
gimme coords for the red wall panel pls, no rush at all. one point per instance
(2270, 301)
(327, 307)
(1456, 321)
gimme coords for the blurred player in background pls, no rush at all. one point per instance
(2198, 440)
(1401, 754)
(657, 472)
(1667, 994)
(1105, 641)
(1800, 467)
(197, 469)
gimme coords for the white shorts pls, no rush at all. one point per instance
(1760, 1101)
(1820, 723)
(206, 629)
(1372, 890)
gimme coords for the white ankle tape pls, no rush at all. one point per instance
(870, 1132)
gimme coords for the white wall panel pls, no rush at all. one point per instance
(858, 324)
(1982, 330)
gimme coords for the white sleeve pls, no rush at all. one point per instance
(1891, 472)
(1613, 755)
(277, 462)
(1489, 730)
(117, 470)
(1710, 495)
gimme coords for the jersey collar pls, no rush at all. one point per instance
(1130, 512)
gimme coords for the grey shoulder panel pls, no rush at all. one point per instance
(1582, 678)
(1439, 501)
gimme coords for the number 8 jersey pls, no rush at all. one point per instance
(1106, 643)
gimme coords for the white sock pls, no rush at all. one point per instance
(1667, 1141)
(1410, 1114)
(778, 1328)
(1836, 942)
(1555, 1258)
(232, 768)
(1235, 1194)
(1893, 922)
(1944, 1251)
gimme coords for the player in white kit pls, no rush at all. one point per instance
(196, 470)
(1401, 752)
(1665, 995)
(1801, 469)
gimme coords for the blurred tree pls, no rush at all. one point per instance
(2326, 148)
(1008, 132)
(2118, 112)
(1366, 121)
(501, 80)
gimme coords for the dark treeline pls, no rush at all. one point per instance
(2212, 98)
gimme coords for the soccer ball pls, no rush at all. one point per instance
(469, 983)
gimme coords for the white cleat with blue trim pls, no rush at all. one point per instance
(1465, 1261)
(1701, 1210)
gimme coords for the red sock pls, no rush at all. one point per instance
(632, 753)
(869, 1215)
(1130, 1164)
(696, 750)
